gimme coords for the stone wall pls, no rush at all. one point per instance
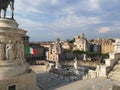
(38, 68)
(111, 62)
(25, 81)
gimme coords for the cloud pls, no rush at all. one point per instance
(54, 1)
(28, 6)
(29, 24)
(104, 30)
(48, 19)
(72, 22)
(94, 4)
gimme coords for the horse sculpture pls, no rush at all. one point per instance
(4, 5)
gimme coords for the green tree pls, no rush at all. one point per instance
(78, 52)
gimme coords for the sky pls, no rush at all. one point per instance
(46, 20)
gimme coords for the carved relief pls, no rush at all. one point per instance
(2, 50)
(19, 50)
(9, 51)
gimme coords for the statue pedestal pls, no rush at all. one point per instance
(25, 81)
(14, 71)
(9, 69)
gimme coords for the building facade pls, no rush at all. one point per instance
(66, 45)
(55, 52)
(40, 50)
(80, 43)
(106, 45)
(95, 48)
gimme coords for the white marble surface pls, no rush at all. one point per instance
(13, 68)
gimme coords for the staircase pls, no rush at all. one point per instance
(115, 74)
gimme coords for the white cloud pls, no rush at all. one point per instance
(56, 34)
(28, 24)
(69, 10)
(57, 17)
(104, 30)
(94, 4)
(94, 20)
(72, 21)
(28, 6)
(54, 1)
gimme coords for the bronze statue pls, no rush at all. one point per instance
(4, 5)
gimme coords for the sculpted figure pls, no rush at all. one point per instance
(9, 51)
(1, 51)
(19, 50)
(4, 5)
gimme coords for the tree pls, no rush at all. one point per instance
(93, 54)
(78, 52)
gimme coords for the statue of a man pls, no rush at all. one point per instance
(9, 51)
(4, 5)
(19, 50)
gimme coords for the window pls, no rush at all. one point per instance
(13, 87)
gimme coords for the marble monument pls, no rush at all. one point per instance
(15, 73)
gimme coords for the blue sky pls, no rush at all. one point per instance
(48, 19)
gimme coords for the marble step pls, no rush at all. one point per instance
(117, 77)
(115, 73)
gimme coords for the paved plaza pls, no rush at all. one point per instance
(52, 82)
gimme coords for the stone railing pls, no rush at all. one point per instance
(111, 62)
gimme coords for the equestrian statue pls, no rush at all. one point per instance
(4, 5)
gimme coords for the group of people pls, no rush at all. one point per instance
(11, 50)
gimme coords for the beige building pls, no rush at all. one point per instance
(66, 45)
(46, 44)
(55, 52)
(106, 45)
(80, 43)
